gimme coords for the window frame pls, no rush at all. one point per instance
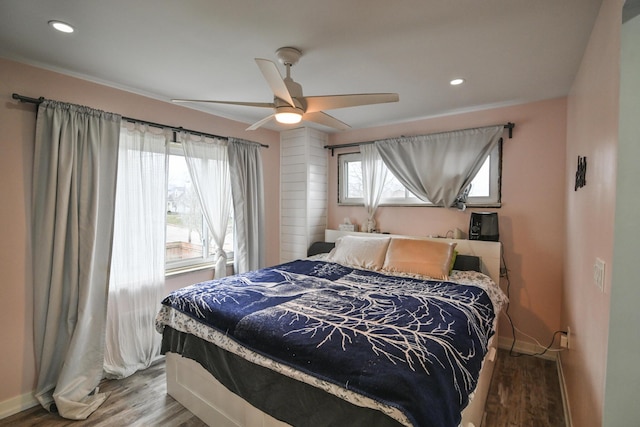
(207, 260)
(494, 200)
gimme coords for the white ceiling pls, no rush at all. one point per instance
(509, 51)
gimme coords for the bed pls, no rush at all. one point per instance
(356, 337)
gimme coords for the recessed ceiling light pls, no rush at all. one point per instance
(61, 26)
(456, 82)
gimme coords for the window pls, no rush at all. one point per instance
(485, 187)
(187, 241)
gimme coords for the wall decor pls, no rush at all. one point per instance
(581, 173)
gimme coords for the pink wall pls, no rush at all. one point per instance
(532, 215)
(592, 131)
(17, 122)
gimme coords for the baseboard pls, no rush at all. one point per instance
(17, 404)
(563, 392)
(525, 347)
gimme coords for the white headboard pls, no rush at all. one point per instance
(488, 252)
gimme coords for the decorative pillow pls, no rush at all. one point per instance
(360, 251)
(427, 257)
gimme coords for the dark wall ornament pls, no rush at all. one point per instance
(581, 173)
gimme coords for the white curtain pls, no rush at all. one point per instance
(374, 176)
(74, 184)
(137, 269)
(438, 167)
(247, 190)
(208, 164)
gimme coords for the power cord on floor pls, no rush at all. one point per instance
(514, 329)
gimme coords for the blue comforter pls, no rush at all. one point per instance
(411, 344)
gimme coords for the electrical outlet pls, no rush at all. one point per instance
(598, 274)
(565, 338)
(564, 343)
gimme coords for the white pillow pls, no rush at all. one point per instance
(360, 251)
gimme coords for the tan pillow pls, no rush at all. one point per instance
(360, 251)
(427, 257)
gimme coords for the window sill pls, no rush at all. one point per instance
(193, 268)
(424, 205)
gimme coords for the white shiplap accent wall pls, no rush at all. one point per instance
(303, 191)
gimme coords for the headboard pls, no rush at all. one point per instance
(488, 252)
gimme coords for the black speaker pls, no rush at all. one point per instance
(484, 226)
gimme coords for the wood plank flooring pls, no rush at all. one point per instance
(140, 400)
(525, 392)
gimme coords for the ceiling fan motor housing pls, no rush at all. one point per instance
(282, 106)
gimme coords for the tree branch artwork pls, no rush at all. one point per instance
(393, 332)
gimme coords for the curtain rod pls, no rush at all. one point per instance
(38, 101)
(509, 126)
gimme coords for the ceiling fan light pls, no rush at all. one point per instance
(288, 115)
(288, 118)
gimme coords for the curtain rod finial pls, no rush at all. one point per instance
(28, 99)
(510, 126)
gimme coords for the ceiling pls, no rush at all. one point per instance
(508, 51)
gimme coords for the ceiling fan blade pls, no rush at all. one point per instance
(261, 122)
(274, 79)
(326, 120)
(244, 104)
(332, 102)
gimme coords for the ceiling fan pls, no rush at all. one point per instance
(290, 106)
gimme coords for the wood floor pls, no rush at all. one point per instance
(525, 392)
(140, 400)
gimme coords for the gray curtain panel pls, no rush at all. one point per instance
(247, 192)
(437, 167)
(74, 181)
